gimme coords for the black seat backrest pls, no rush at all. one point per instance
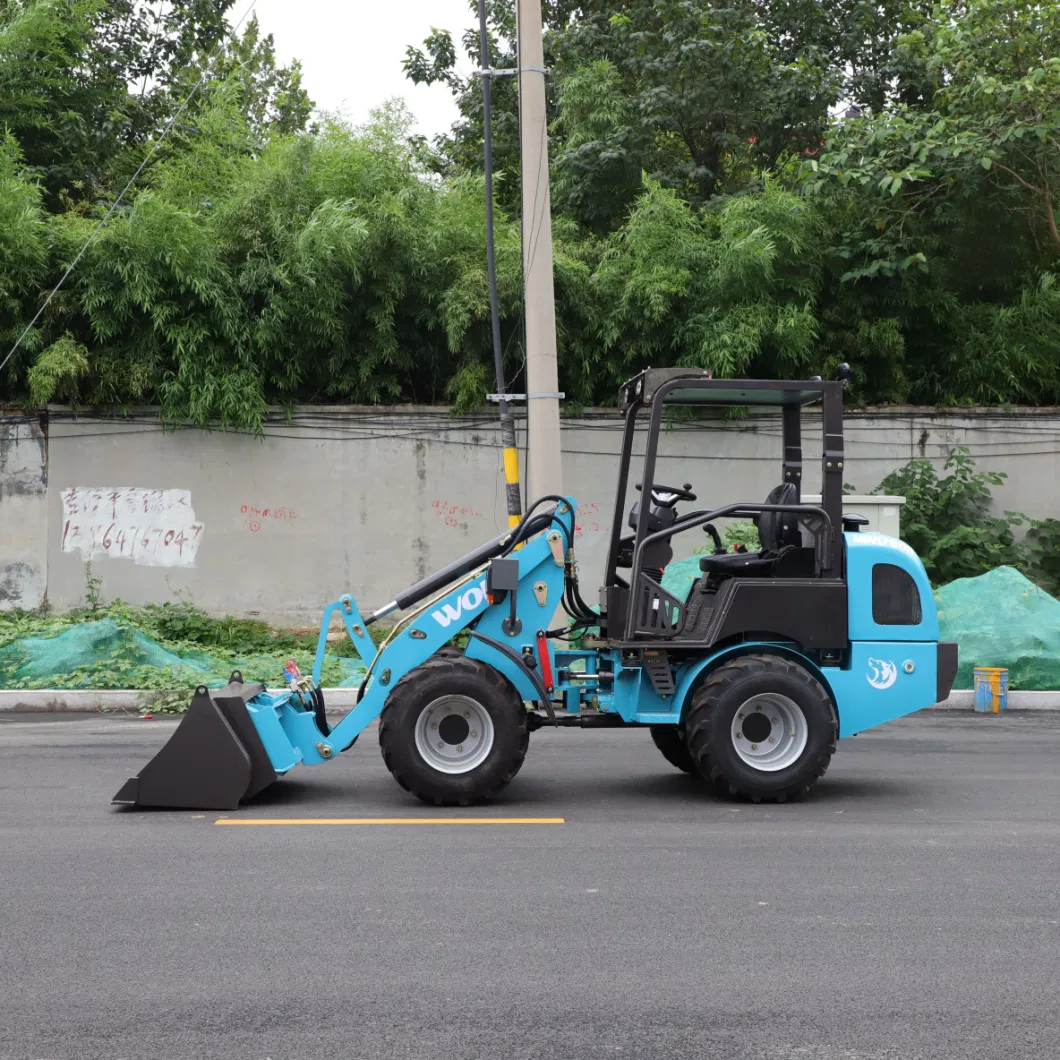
(778, 529)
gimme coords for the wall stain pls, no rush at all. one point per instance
(27, 483)
(421, 554)
(15, 580)
(421, 464)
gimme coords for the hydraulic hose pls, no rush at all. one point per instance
(520, 534)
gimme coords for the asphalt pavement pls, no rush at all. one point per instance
(908, 909)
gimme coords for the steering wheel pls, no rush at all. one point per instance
(668, 496)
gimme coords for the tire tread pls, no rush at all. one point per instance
(416, 682)
(698, 735)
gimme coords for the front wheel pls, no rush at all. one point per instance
(761, 727)
(453, 731)
(670, 741)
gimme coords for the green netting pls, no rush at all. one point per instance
(680, 574)
(112, 653)
(1002, 618)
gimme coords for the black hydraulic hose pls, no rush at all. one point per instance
(519, 535)
(579, 607)
(319, 711)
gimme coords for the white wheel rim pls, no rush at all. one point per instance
(454, 734)
(769, 732)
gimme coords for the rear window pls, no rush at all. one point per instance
(895, 598)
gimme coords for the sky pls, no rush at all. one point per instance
(352, 50)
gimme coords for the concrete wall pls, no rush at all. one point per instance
(23, 512)
(369, 500)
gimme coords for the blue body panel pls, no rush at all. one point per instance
(883, 681)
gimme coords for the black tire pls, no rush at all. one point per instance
(488, 691)
(671, 742)
(710, 734)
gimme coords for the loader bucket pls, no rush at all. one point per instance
(213, 760)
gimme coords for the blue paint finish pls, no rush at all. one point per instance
(536, 565)
(351, 617)
(636, 700)
(581, 682)
(877, 685)
(859, 703)
(863, 552)
(265, 710)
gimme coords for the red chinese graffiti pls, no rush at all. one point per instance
(589, 522)
(452, 513)
(256, 518)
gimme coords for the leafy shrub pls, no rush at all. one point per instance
(947, 520)
(741, 533)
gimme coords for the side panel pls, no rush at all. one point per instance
(812, 612)
(885, 680)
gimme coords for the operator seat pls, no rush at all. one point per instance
(779, 533)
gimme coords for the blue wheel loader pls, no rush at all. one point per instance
(747, 682)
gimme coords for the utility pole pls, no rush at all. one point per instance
(542, 375)
(511, 453)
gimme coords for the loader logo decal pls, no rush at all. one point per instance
(882, 673)
(466, 602)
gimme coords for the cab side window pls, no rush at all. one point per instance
(895, 598)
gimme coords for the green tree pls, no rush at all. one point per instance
(86, 84)
(23, 246)
(944, 207)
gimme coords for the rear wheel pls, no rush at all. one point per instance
(671, 742)
(453, 731)
(761, 727)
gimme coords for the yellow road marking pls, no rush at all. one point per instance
(390, 820)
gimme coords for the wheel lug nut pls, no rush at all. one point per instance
(440, 745)
(772, 739)
(773, 720)
(740, 716)
(754, 747)
(434, 725)
(739, 736)
(460, 747)
(474, 734)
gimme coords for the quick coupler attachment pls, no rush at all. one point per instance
(214, 760)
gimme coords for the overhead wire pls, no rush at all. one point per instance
(443, 429)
